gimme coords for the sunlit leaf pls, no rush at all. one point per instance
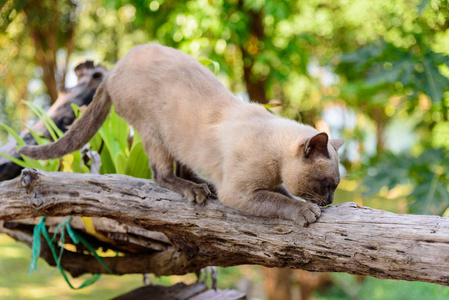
(215, 65)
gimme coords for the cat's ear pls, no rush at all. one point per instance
(317, 146)
(336, 143)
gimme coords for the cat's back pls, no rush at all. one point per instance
(155, 67)
(164, 81)
(153, 58)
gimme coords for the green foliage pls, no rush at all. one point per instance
(426, 173)
(215, 66)
(439, 135)
(26, 162)
(54, 131)
(389, 70)
(118, 154)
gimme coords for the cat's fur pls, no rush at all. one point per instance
(185, 115)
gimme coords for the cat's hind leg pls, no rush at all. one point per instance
(163, 175)
(186, 173)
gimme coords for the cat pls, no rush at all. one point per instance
(254, 161)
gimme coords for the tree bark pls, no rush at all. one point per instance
(346, 238)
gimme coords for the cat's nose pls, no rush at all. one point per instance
(330, 199)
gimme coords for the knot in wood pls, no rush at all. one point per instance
(29, 178)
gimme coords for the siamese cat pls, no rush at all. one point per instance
(254, 161)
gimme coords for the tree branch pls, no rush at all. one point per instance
(346, 238)
(159, 263)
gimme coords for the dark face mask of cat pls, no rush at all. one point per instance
(319, 191)
(322, 176)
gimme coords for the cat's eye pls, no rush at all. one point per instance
(327, 183)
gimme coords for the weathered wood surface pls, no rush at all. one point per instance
(113, 234)
(346, 238)
(61, 112)
(181, 291)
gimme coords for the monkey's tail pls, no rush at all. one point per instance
(80, 132)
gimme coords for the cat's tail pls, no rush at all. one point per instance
(79, 133)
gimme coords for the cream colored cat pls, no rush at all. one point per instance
(255, 160)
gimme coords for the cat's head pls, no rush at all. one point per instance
(311, 170)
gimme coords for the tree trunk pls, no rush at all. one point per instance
(44, 22)
(346, 238)
(255, 84)
(380, 120)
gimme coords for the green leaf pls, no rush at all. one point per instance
(53, 165)
(76, 110)
(137, 164)
(120, 130)
(84, 169)
(77, 162)
(108, 133)
(19, 140)
(107, 164)
(17, 161)
(96, 142)
(36, 136)
(216, 66)
(436, 83)
(54, 131)
(120, 163)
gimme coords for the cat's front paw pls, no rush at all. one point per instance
(213, 190)
(308, 213)
(198, 193)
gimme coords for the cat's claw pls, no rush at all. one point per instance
(308, 213)
(213, 191)
(198, 193)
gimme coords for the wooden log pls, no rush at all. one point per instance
(61, 112)
(181, 291)
(347, 237)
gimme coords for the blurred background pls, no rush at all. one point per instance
(373, 72)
